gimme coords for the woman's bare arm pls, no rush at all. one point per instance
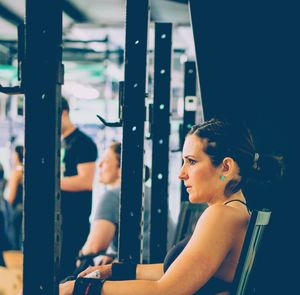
(151, 272)
(101, 234)
(199, 261)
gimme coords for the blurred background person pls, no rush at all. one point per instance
(104, 229)
(2, 181)
(78, 162)
(7, 237)
(101, 245)
(15, 192)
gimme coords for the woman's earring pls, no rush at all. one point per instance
(222, 177)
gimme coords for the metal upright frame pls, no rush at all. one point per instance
(160, 131)
(42, 77)
(190, 108)
(133, 115)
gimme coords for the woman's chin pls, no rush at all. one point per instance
(196, 199)
(192, 199)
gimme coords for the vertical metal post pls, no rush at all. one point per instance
(42, 81)
(190, 108)
(133, 112)
(160, 146)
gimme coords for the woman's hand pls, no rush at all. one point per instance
(66, 288)
(106, 260)
(105, 271)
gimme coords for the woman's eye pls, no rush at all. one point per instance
(191, 161)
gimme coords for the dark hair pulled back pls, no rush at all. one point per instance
(224, 139)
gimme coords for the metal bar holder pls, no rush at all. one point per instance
(160, 138)
(133, 113)
(42, 76)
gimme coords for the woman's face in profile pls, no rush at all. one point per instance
(109, 171)
(200, 177)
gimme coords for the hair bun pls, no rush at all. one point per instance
(268, 167)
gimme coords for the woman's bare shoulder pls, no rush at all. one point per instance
(221, 216)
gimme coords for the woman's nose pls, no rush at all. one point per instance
(182, 174)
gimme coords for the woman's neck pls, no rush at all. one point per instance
(235, 196)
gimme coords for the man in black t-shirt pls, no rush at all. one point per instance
(78, 157)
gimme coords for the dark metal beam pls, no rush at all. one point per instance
(74, 12)
(133, 113)
(10, 16)
(160, 144)
(42, 79)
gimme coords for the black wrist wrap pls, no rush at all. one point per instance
(123, 271)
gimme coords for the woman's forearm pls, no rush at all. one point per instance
(131, 287)
(152, 272)
(120, 288)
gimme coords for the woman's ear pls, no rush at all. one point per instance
(228, 165)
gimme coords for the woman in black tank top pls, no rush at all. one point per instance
(219, 159)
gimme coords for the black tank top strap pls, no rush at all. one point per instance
(240, 201)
